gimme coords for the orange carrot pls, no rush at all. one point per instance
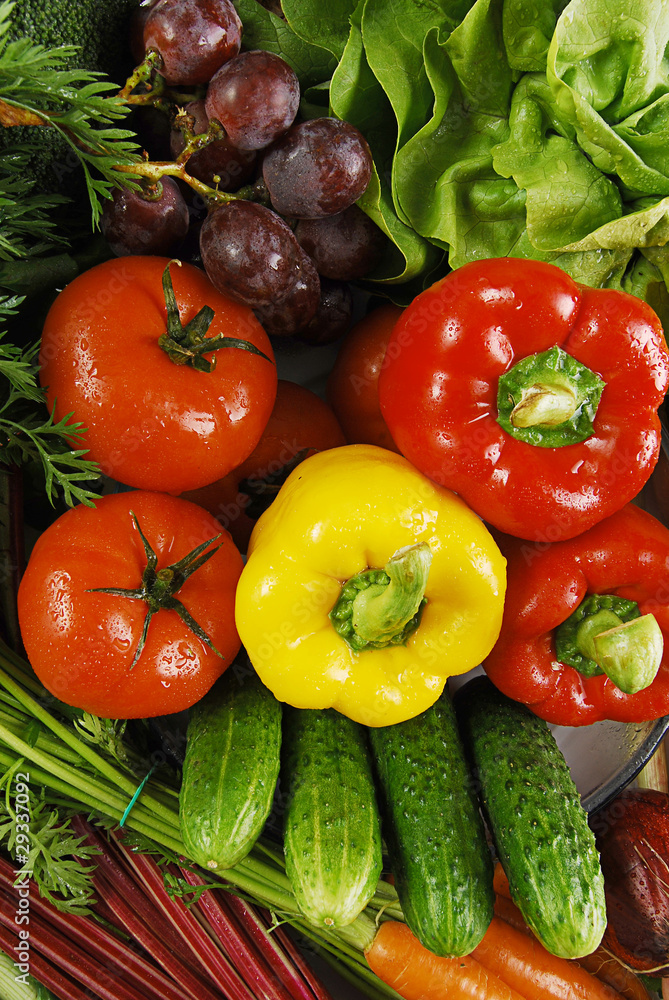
(507, 910)
(400, 960)
(501, 882)
(599, 963)
(522, 962)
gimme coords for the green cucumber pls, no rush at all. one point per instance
(332, 829)
(536, 819)
(434, 830)
(231, 768)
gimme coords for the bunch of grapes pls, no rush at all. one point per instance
(288, 237)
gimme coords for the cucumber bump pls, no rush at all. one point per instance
(332, 830)
(435, 834)
(534, 812)
(231, 768)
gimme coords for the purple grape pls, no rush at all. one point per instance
(233, 167)
(332, 318)
(250, 253)
(193, 38)
(317, 168)
(255, 97)
(344, 246)
(134, 223)
(288, 316)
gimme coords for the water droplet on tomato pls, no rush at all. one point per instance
(176, 660)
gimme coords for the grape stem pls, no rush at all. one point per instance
(155, 169)
(154, 89)
(143, 75)
(184, 122)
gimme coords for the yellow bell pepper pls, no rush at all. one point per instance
(377, 647)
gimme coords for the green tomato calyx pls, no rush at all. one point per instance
(159, 586)
(187, 345)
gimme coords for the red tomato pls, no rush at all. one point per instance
(81, 643)
(353, 385)
(151, 423)
(300, 421)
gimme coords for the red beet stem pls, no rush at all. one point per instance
(207, 952)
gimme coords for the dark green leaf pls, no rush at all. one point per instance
(357, 96)
(264, 30)
(38, 274)
(322, 24)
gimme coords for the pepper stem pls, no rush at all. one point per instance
(548, 405)
(607, 634)
(378, 608)
(590, 627)
(549, 399)
(383, 610)
(631, 653)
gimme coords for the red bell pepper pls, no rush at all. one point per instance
(568, 604)
(533, 397)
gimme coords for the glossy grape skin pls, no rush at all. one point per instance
(193, 37)
(134, 224)
(332, 318)
(233, 167)
(255, 97)
(250, 253)
(344, 246)
(317, 168)
(288, 316)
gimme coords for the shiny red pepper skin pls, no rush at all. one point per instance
(626, 554)
(438, 393)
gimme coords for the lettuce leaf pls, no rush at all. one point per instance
(498, 128)
(528, 29)
(312, 61)
(357, 96)
(567, 197)
(608, 70)
(321, 24)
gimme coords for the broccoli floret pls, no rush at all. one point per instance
(101, 30)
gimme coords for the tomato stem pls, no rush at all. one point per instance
(159, 586)
(187, 345)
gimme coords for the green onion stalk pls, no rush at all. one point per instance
(75, 775)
